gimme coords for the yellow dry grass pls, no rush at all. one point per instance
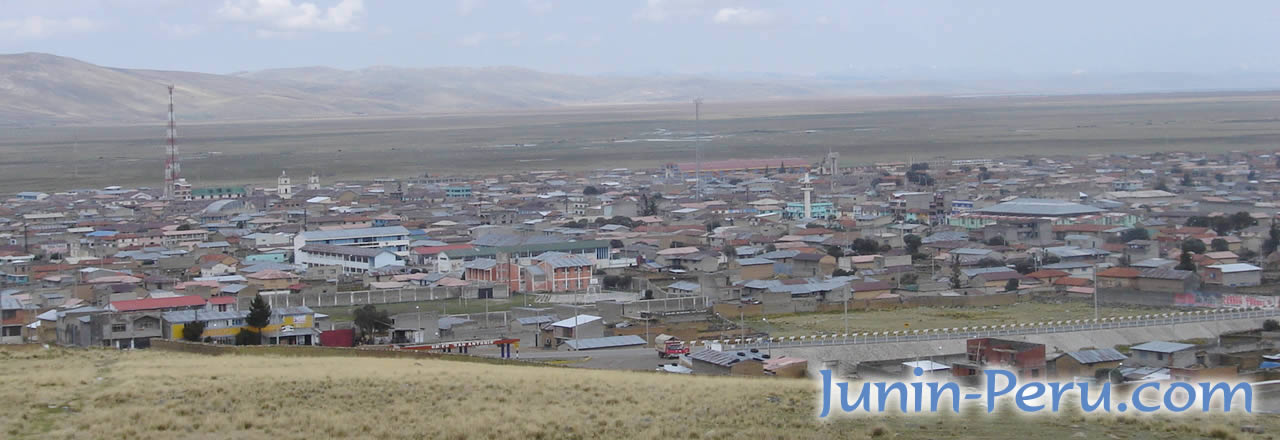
(76, 394)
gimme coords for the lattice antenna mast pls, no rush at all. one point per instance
(172, 169)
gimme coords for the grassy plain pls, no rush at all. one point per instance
(940, 317)
(862, 130)
(76, 394)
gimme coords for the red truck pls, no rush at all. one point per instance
(670, 346)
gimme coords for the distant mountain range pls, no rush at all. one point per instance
(40, 89)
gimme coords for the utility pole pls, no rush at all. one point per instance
(1096, 314)
(697, 143)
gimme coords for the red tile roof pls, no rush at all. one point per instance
(158, 303)
(1120, 272)
(1070, 281)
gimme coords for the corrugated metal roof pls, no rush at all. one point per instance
(1236, 267)
(338, 234)
(687, 286)
(575, 321)
(1095, 356)
(725, 358)
(1039, 207)
(532, 320)
(605, 342)
(1162, 346)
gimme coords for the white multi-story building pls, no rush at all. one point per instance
(352, 259)
(391, 238)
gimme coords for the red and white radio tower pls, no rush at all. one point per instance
(172, 168)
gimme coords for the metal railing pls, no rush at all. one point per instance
(934, 334)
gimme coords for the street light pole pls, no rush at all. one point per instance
(1096, 314)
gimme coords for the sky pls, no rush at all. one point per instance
(730, 37)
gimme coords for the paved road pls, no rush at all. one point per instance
(616, 359)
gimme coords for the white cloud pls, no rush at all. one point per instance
(823, 20)
(34, 27)
(466, 7)
(670, 10)
(182, 30)
(473, 40)
(510, 38)
(743, 16)
(285, 16)
(538, 7)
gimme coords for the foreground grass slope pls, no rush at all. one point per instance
(152, 394)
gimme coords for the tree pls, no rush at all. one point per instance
(955, 272)
(912, 243)
(1134, 234)
(1219, 177)
(1193, 245)
(1273, 239)
(1199, 221)
(590, 191)
(990, 262)
(712, 225)
(1185, 262)
(834, 251)
(844, 273)
(184, 227)
(616, 244)
(1051, 259)
(996, 241)
(649, 204)
(1024, 267)
(729, 251)
(258, 318)
(909, 278)
(865, 246)
(1162, 185)
(371, 321)
(1011, 285)
(1271, 325)
(1219, 245)
(1241, 220)
(782, 167)
(193, 330)
(1186, 179)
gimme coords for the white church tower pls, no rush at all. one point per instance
(806, 185)
(283, 188)
(313, 182)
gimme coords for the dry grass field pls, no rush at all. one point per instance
(77, 394)
(863, 130)
(941, 317)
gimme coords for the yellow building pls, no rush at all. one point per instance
(289, 325)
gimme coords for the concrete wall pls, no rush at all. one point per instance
(850, 355)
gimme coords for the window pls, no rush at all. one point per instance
(9, 314)
(15, 330)
(237, 322)
(1159, 356)
(116, 328)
